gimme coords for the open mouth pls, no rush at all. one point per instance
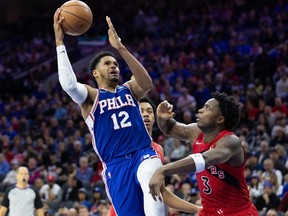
(114, 72)
(146, 121)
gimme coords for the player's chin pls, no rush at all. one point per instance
(147, 124)
(199, 124)
(114, 79)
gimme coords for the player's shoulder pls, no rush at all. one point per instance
(230, 138)
(91, 90)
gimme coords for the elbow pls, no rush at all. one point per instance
(150, 83)
(209, 161)
(147, 85)
(68, 86)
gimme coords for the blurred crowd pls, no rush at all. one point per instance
(190, 50)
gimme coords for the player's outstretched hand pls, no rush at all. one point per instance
(114, 39)
(156, 183)
(59, 33)
(165, 110)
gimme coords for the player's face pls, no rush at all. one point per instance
(208, 116)
(22, 175)
(107, 70)
(148, 115)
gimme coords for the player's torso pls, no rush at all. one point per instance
(221, 185)
(116, 124)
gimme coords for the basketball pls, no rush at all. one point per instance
(78, 17)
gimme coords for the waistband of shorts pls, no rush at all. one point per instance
(126, 156)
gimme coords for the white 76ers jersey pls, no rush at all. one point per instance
(116, 124)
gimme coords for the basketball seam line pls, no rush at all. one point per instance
(76, 16)
(72, 27)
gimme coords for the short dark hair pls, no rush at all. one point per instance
(230, 109)
(96, 59)
(148, 100)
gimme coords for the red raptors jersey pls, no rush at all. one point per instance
(159, 151)
(223, 188)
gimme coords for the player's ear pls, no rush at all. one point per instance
(95, 73)
(221, 119)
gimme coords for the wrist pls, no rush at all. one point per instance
(170, 122)
(160, 170)
(121, 48)
(59, 42)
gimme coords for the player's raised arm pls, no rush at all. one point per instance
(170, 126)
(142, 83)
(58, 31)
(77, 91)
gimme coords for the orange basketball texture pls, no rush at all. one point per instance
(78, 17)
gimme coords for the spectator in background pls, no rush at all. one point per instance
(178, 150)
(255, 188)
(34, 170)
(97, 195)
(77, 152)
(282, 154)
(278, 165)
(270, 116)
(84, 172)
(70, 191)
(62, 153)
(102, 208)
(268, 199)
(83, 198)
(263, 152)
(51, 193)
(186, 192)
(186, 104)
(4, 166)
(272, 212)
(261, 134)
(7, 151)
(38, 183)
(10, 178)
(283, 206)
(278, 136)
(285, 186)
(268, 165)
(252, 162)
(54, 167)
(280, 107)
(281, 88)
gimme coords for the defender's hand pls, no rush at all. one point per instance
(165, 110)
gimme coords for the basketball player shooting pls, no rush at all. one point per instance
(113, 117)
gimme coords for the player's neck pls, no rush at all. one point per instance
(211, 135)
(108, 88)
